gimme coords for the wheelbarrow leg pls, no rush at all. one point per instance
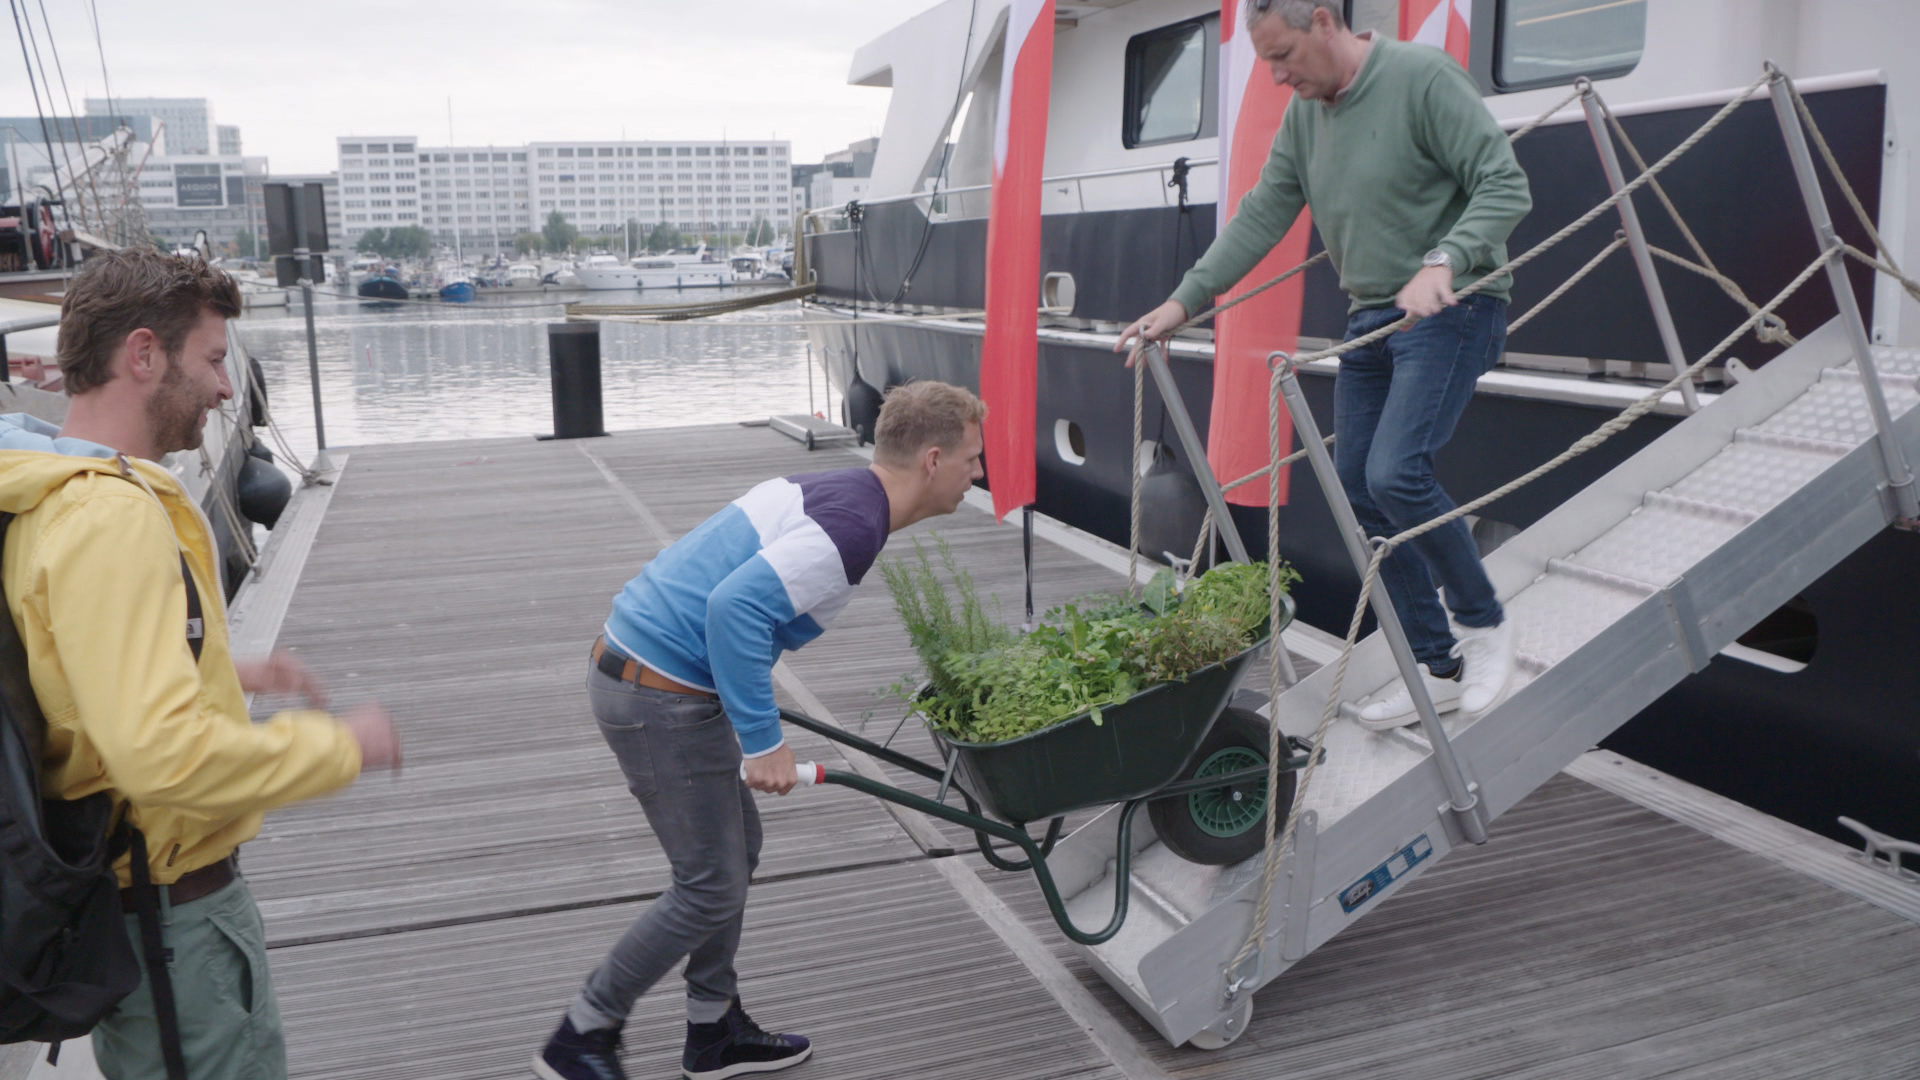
(985, 843)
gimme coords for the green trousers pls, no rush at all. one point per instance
(229, 1021)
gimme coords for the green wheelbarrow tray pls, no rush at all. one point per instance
(1130, 750)
(1136, 754)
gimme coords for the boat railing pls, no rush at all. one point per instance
(1066, 192)
(10, 326)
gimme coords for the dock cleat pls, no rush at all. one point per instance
(735, 1046)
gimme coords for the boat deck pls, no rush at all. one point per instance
(435, 923)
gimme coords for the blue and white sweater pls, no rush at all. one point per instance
(764, 576)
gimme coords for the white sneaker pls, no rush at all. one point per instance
(1487, 655)
(1396, 709)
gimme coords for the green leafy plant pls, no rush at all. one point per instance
(986, 683)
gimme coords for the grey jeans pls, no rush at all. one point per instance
(682, 762)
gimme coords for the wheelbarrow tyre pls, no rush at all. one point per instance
(1212, 827)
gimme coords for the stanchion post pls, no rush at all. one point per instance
(1465, 804)
(1893, 457)
(1637, 243)
(320, 462)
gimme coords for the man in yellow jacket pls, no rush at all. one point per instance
(93, 571)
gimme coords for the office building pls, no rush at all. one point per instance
(479, 198)
(186, 121)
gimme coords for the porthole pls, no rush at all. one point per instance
(1069, 442)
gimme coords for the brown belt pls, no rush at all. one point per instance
(192, 885)
(616, 666)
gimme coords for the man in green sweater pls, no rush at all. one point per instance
(1414, 190)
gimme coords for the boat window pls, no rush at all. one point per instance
(1170, 83)
(1553, 42)
(1380, 16)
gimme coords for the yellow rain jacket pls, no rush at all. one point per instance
(92, 578)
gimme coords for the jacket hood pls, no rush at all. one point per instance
(35, 461)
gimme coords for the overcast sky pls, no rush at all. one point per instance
(295, 75)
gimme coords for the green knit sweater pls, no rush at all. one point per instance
(1406, 161)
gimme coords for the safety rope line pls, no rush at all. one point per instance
(1133, 530)
(1619, 241)
(1134, 358)
(1774, 331)
(1371, 577)
(1251, 946)
(1819, 139)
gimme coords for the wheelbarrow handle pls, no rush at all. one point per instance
(810, 772)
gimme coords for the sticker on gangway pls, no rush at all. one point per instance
(1386, 873)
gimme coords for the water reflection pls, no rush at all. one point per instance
(454, 371)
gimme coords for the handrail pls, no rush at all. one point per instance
(29, 322)
(1129, 170)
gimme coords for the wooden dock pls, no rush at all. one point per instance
(434, 924)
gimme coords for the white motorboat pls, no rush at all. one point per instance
(523, 275)
(684, 268)
(606, 272)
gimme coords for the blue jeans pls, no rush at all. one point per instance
(1396, 402)
(682, 762)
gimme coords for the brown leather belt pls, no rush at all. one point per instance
(192, 885)
(615, 666)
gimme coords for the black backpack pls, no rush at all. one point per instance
(65, 959)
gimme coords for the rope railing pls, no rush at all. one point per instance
(1773, 331)
(1760, 318)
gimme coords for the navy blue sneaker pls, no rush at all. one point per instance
(734, 1045)
(580, 1055)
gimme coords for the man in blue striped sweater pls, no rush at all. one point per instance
(682, 685)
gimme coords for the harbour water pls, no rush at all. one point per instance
(425, 371)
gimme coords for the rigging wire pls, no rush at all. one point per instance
(54, 47)
(113, 110)
(33, 84)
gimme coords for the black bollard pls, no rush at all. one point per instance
(573, 350)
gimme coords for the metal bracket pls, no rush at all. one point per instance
(1686, 624)
(1244, 978)
(1464, 824)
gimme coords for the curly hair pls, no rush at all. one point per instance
(922, 414)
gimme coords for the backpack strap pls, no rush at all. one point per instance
(196, 624)
(146, 902)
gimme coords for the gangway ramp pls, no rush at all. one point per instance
(1616, 596)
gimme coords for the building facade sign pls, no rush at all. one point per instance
(197, 191)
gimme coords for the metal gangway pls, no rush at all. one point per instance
(1616, 596)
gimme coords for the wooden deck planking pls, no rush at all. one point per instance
(460, 583)
(1589, 938)
(885, 968)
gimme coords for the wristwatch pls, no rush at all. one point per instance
(1437, 257)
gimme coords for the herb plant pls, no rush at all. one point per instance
(987, 683)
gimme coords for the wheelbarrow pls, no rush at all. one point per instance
(1179, 749)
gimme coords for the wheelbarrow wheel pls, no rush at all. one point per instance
(1225, 825)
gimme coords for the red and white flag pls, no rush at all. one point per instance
(1009, 354)
(1251, 106)
(1443, 24)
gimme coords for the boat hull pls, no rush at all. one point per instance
(1808, 746)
